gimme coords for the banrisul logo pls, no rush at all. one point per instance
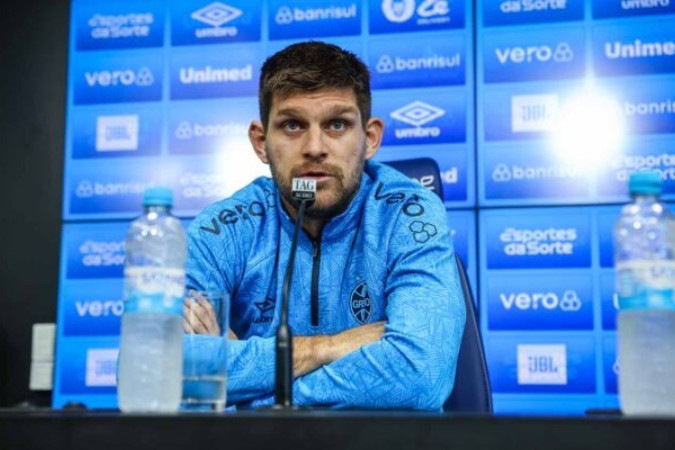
(418, 114)
(314, 18)
(287, 15)
(524, 56)
(419, 61)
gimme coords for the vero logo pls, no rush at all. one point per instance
(107, 78)
(561, 53)
(523, 301)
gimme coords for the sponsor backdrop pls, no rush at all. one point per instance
(536, 112)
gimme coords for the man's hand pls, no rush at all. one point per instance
(312, 352)
(200, 318)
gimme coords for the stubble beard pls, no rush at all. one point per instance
(343, 194)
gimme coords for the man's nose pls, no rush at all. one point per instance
(314, 142)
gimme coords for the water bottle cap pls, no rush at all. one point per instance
(645, 182)
(158, 196)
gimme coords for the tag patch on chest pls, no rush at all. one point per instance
(360, 303)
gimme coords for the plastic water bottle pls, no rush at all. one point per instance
(644, 246)
(151, 348)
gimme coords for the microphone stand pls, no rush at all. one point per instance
(284, 343)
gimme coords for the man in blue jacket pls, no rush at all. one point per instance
(375, 302)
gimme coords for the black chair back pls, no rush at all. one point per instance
(423, 170)
(472, 391)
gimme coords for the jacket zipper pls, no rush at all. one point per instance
(316, 265)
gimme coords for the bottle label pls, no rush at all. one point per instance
(154, 289)
(646, 284)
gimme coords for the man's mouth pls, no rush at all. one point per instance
(317, 175)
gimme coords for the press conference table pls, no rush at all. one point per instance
(325, 430)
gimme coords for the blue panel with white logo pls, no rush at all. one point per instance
(91, 308)
(647, 48)
(524, 302)
(118, 78)
(419, 62)
(610, 364)
(522, 112)
(87, 366)
(423, 116)
(609, 301)
(94, 250)
(522, 12)
(314, 18)
(626, 8)
(112, 133)
(204, 22)
(541, 238)
(118, 25)
(606, 220)
(526, 173)
(555, 54)
(209, 74)
(659, 155)
(397, 16)
(533, 364)
(210, 128)
(113, 190)
(647, 106)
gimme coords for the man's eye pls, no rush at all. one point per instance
(291, 125)
(337, 125)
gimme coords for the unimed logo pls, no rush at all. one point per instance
(124, 77)
(209, 75)
(561, 53)
(639, 49)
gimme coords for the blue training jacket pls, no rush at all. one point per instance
(389, 257)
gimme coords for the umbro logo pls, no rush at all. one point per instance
(266, 310)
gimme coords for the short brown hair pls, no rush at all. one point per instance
(311, 66)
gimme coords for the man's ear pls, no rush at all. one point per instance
(256, 134)
(374, 131)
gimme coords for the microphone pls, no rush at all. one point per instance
(303, 192)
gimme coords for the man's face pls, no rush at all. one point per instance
(317, 135)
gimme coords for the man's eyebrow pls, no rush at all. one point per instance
(333, 111)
